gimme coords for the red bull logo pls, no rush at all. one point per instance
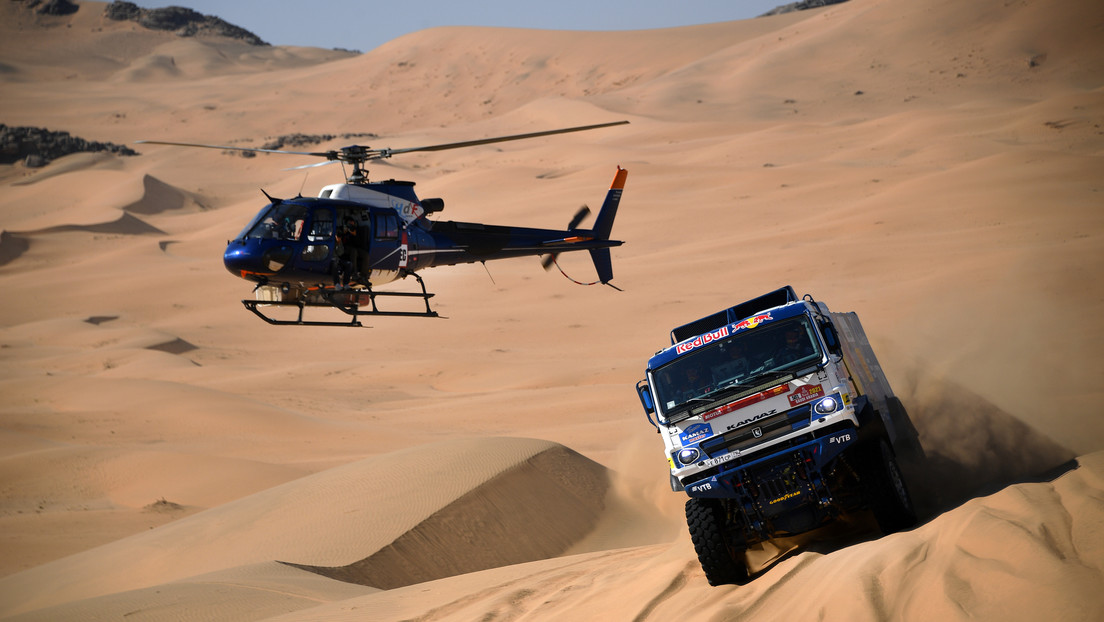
(752, 322)
(702, 340)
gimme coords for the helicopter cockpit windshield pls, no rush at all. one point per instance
(280, 221)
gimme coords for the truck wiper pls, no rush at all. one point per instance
(715, 393)
(768, 375)
(735, 387)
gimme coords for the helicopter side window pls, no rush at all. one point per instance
(323, 226)
(321, 229)
(386, 226)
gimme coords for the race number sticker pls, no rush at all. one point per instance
(805, 394)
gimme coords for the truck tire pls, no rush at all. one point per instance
(885, 488)
(721, 559)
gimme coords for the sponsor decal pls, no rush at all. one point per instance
(752, 322)
(701, 487)
(695, 433)
(752, 420)
(805, 394)
(747, 401)
(702, 340)
(841, 439)
(789, 495)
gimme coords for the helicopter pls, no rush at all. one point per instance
(333, 250)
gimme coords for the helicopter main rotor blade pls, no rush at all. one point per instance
(317, 154)
(358, 155)
(386, 153)
(315, 165)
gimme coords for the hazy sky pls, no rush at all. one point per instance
(363, 24)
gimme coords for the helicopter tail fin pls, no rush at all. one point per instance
(603, 224)
(603, 264)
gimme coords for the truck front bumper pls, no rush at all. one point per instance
(808, 460)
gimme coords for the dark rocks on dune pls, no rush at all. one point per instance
(300, 140)
(37, 146)
(163, 506)
(123, 11)
(800, 6)
(183, 21)
(53, 7)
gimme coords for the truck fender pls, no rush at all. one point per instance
(676, 484)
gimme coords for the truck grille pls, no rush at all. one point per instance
(759, 432)
(736, 463)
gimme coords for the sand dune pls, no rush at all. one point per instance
(933, 165)
(498, 495)
(964, 565)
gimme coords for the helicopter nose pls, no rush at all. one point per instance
(239, 260)
(256, 261)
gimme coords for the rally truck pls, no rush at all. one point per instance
(776, 419)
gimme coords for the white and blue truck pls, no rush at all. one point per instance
(777, 419)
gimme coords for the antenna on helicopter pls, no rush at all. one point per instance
(488, 272)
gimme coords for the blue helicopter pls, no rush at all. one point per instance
(334, 249)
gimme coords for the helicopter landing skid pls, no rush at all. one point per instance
(349, 301)
(302, 304)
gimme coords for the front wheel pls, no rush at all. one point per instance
(885, 489)
(721, 558)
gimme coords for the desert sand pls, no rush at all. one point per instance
(936, 166)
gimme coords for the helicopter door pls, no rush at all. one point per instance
(318, 252)
(388, 252)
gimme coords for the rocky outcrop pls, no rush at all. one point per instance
(53, 7)
(300, 140)
(800, 6)
(36, 146)
(183, 21)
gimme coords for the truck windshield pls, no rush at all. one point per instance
(745, 359)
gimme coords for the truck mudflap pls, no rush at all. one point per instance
(780, 486)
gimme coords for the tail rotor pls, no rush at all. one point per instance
(584, 211)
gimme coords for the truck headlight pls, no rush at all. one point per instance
(827, 406)
(689, 455)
